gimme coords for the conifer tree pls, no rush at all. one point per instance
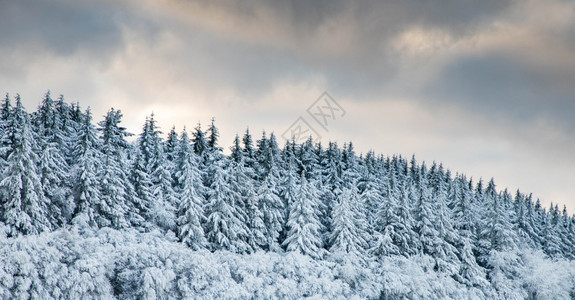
(424, 218)
(303, 222)
(165, 202)
(521, 223)
(24, 206)
(86, 192)
(115, 187)
(188, 186)
(332, 183)
(242, 184)
(348, 235)
(249, 150)
(53, 168)
(499, 234)
(200, 144)
(225, 225)
(272, 208)
(172, 145)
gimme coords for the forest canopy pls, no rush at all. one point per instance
(87, 214)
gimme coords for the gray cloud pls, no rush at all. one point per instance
(62, 27)
(485, 78)
(494, 85)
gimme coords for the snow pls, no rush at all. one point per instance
(85, 214)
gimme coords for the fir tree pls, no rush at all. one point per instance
(115, 188)
(24, 205)
(188, 187)
(225, 225)
(348, 235)
(424, 218)
(272, 208)
(85, 172)
(303, 222)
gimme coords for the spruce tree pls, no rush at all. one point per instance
(53, 167)
(272, 208)
(303, 222)
(87, 166)
(425, 218)
(115, 187)
(225, 225)
(25, 208)
(348, 223)
(188, 186)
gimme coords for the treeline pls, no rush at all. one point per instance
(59, 169)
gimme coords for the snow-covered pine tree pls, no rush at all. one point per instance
(348, 234)
(551, 235)
(408, 229)
(373, 185)
(244, 185)
(6, 109)
(386, 223)
(288, 191)
(425, 217)
(115, 186)
(67, 121)
(567, 241)
(189, 190)
(165, 202)
(85, 189)
(171, 150)
(332, 182)
(498, 234)
(199, 142)
(249, 151)
(24, 205)
(172, 145)
(141, 179)
(460, 198)
(53, 168)
(521, 223)
(225, 224)
(303, 223)
(268, 156)
(445, 253)
(308, 160)
(272, 209)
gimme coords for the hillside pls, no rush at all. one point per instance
(87, 214)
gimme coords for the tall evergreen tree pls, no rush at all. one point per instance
(165, 202)
(115, 187)
(200, 144)
(348, 235)
(87, 166)
(303, 222)
(225, 225)
(424, 218)
(272, 208)
(189, 192)
(24, 206)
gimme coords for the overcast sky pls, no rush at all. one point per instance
(486, 87)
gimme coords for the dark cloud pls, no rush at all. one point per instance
(62, 27)
(500, 88)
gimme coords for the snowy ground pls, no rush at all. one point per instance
(129, 265)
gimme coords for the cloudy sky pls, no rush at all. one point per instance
(486, 87)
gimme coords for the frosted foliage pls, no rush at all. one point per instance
(88, 213)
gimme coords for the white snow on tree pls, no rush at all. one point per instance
(88, 214)
(189, 193)
(303, 222)
(85, 172)
(24, 206)
(115, 188)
